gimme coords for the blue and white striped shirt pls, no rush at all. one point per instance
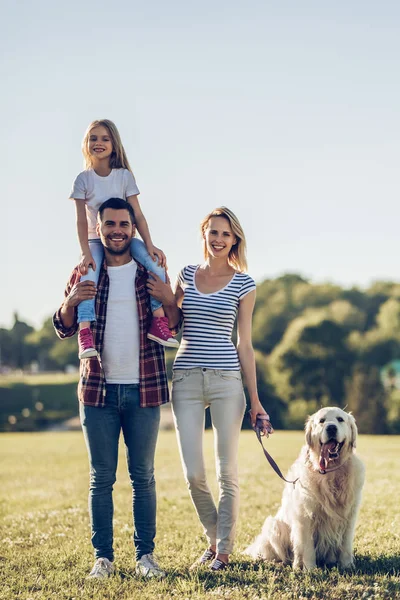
(208, 322)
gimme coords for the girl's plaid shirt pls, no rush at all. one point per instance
(153, 382)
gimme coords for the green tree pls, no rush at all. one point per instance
(19, 352)
(366, 398)
(311, 362)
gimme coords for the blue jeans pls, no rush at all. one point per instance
(101, 428)
(139, 252)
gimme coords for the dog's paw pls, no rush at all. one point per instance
(346, 561)
(297, 563)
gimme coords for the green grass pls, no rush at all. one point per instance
(45, 550)
(38, 379)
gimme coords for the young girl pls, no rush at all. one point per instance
(108, 175)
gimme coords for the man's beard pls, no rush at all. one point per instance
(114, 251)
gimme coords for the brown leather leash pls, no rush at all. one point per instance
(263, 428)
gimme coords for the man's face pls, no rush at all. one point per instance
(116, 230)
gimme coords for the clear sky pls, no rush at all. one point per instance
(286, 112)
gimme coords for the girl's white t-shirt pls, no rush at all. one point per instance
(94, 190)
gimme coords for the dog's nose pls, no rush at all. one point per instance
(331, 431)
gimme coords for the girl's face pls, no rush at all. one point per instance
(99, 143)
(219, 237)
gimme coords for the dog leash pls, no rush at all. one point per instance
(263, 428)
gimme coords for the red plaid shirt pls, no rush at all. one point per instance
(153, 383)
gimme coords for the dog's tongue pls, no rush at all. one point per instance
(324, 456)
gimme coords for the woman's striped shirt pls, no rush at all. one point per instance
(208, 322)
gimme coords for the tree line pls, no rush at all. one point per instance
(316, 345)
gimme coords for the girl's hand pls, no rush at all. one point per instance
(256, 409)
(86, 262)
(157, 254)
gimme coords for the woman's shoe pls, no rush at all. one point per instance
(218, 565)
(204, 558)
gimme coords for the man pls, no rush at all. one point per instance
(121, 389)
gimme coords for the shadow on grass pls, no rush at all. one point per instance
(382, 565)
(248, 571)
(258, 572)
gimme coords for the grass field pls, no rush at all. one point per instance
(45, 550)
(38, 379)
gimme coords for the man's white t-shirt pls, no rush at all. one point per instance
(94, 190)
(120, 355)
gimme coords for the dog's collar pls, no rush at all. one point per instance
(325, 471)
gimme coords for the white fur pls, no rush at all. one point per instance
(316, 520)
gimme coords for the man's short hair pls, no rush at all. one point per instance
(116, 204)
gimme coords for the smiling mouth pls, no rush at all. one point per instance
(330, 450)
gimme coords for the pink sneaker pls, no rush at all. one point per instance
(159, 332)
(86, 343)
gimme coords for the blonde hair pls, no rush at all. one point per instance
(237, 255)
(118, 158)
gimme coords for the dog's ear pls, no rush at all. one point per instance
(354, 432)
(308, 430)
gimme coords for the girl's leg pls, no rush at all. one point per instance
(188, 408)
(139, 253)
(86, 309)
(227, 406)
(86, 312)
(159, 330)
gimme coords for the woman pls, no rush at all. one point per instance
(207, 372)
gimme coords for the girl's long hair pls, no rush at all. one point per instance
(237, 255)
(118, 158)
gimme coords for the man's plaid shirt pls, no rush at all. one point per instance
(153, 383)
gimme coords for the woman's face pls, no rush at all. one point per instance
(219, 237)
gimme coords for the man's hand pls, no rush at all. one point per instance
(159, 290)
(83, 290)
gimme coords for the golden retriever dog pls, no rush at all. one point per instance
(316, 520)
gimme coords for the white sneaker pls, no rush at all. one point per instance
(102, 568)
(148, 567)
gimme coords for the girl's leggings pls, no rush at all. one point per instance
(139, 252)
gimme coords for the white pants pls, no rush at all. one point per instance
(192, 391)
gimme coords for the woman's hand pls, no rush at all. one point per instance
(157, 254)
(87, 261)
(256, 409)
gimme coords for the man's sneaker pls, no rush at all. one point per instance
(160, 332)
(86, 343)
(102, 568)
(148, 567)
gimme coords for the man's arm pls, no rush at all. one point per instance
(162, 291)
(65, 319)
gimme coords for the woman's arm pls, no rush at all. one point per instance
(246, 353)
(83, 237)
(143, 229)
